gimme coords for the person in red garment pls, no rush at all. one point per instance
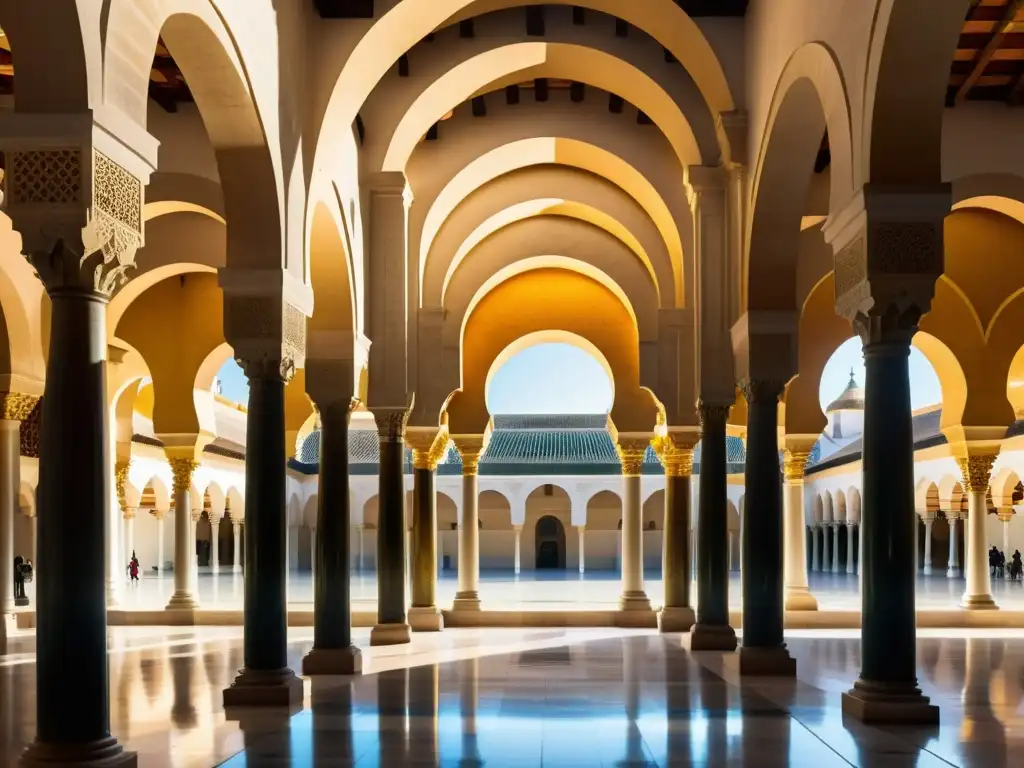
(133, 568)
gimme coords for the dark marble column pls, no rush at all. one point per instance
(333, 652)
(763, 651)
(265, 680)
(712, 631)
(72, 700)
(677, 613)
(428, 448)
(391, 627)
(887, 690)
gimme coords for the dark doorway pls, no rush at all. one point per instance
(550, 534)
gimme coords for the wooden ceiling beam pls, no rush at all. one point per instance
(989, 50)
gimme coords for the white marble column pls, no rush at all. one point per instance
(631, 453)
(215, 545)
(193, 535)
(798, 595)
(468, 595)
(816, 548)
(10, 462)
(1005, 516)
(519, 533)
(977, 471)
(954, 558)
(732, 551)
(826, 549)
(129, 534)
(835, 547)
(361, 560)
(582, 531)
(184, 597)
(236, 557)
(851, 533)
(160, 515)
(927, 566)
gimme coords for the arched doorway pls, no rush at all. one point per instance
(550, 537)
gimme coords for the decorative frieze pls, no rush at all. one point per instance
(794, 465)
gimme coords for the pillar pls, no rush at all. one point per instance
(826, 547)
(798, 595)
(631, 452)
(129, 534)
(428, 448)
(265, 679)
(851, 534)
(581, 531)
(977, 470)
(953, 568)
(835, 546)
(764, 649)
(676, 453)
(732, 551)
(333, 651)
(160, 514)
(518, 534)
(184, 597)
(712, 631)
(236, 558)
(215, 544)
(391, 627)
(1005, 516)
(312, 551)
(816, 547)
(15, 408)
(928, 520)
(467, 598)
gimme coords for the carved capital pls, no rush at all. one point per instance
(182, 469)
(270, 368)
(265, 327)
(763, 390)
(16, 406)
(977, 471)
(159, 514)
(120, 478)
(391, 424)
(129, 512)
(712, 414)
(471, 449)
(428, 447)
(631, 453)
(795, 464)
(676, 458)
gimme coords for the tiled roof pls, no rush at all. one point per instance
(926, 434)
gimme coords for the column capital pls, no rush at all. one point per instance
(762, 390)
(675, 450)
(794, 464)
(712, 412)
(268, 367)
(976, 471)
(121, 469)
(428, 445)
(159, 514)
(129, 512)
(182, 468)
(391, 424)
(1005, 515)
(471, 449)
(631, 452)
(17, 406)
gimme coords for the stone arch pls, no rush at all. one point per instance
(901, 135)
(204, 48)
(828, 511)
(159, 488)
(495, 510)
(950, 494)
(1003, 487)
(999, 192)
(810, 97)
(654, 511)
(447, 512)
(733, 515)
(604, 511)
(818, 511)
(22, 301)
(567, 192)
(625, 167)
(926, 496)
(839, 510)
(332, 273)
(236, 502)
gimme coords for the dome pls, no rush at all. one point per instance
(851, 398)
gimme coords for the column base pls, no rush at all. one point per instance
(389, 634)
(882, 703)
(182, 601)
(712, 637)
(264, 688)
(105, 753)
(333, 661)
(20, 602)
(427, 619)
(952, 573)
(800, 599)
(674, 619)
(978, 603)
(634, 601)
(468, 600)
(767, 662)
(927, 570)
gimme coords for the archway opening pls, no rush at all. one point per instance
(550, 543)
(551, 378)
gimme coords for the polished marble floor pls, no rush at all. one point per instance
(549, 590)
(542, 697)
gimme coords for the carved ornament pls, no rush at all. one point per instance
(677, 460)
(182, 469)
(977, 471)
(16, 406)
(631, 454)
(391, 424)
(120, 480)
(795, 464)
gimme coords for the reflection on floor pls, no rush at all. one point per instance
(542, 697)
(549, 590)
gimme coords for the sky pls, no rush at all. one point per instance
(560, 378)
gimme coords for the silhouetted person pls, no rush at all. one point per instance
(22, 574)
(1015, 565)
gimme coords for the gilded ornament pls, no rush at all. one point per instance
(182, 469)
(678, 461)
(427, 455)
(120, 480)
(631, 454)
(470, 462)
(795, 464)
(977, 470)
(391, 424)
(18, 407)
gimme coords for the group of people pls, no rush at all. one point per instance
(997, 564)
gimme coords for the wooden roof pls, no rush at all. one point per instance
(989, 60)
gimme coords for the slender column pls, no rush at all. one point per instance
(361, 566)
(193, 546)
(215, 545)
(631, 453)
(764, 648)
(184, 597)
(129, 537)
(236, 557)
(712, 631)
(333, 651)
(798, 592)
(468, 596)
(1005, 516)
(676, 453)
(816, 547)
(391, 627)
(160, 514)
(312, 551)
(977, 470)
(581, 531)
(428, 449)
(826, 546)
(265, 679)
(851, 535)
(732, 552)
(10, 487)
(835, 546)
(953, 567)
(519, 533)
(928, 520)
